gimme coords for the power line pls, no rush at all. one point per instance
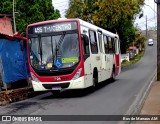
(147, 20)
(142, 24)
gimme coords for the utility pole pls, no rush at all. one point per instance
(158, 39)
(155, 15)
(14, 21)
(146, 29)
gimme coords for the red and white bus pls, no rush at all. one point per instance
(71, 54)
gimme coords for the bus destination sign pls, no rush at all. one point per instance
(54, 27)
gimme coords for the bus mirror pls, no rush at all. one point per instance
(86, 39)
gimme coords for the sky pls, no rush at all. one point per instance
(149, 10)
(61, 5)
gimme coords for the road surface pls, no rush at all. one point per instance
(110, 99)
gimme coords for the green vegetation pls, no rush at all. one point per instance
(29, 11)
(113, 15)
(131, 62)
(139, 41)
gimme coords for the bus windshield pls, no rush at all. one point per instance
(54, 51)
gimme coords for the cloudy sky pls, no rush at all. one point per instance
(149, 10)
(61, 5)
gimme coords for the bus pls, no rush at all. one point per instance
(71, 54)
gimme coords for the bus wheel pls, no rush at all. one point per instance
(113, 75)
(56, 92)
(95, 80)
(94, 86)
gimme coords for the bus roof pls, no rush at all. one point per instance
(94, 27)
(82, 22)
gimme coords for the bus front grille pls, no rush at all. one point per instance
(50, 86)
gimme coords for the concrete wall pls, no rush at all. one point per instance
(124, 57)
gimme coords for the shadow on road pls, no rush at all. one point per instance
(79, 92)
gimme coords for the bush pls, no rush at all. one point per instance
(124, 61)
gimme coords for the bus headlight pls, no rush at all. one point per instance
(76, 76)
(34, 78)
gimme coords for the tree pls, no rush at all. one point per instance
(139, 41)
(113, 15)
(29, 11)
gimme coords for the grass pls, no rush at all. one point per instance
(135, 60)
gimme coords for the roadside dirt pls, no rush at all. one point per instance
(15, 95)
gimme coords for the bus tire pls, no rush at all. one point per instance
(113, 78)
(95, 78)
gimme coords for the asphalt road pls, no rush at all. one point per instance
(109, 99)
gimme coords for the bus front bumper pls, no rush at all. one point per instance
(72, 84)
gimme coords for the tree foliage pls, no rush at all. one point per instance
(29, 11)
(113, 15)
(139, 41)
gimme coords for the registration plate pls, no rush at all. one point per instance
(56, 88)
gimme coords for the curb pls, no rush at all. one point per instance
(139, 101)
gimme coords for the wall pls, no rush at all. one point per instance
(6, 26)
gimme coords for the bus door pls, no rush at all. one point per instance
(108, 48)
(86, 52)
(106, 51)
(102, 53)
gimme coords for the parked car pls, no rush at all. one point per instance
(150, 42)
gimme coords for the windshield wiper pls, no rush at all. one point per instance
(59, 44)
(40, 47)
(53, 66)
(56, 50)
(60, 40)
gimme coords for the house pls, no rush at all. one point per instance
(13, 56)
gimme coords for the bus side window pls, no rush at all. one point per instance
(113, 45)
(106, 44)
(110, 45)
(100, 41)
(85, 42)
(93, 40)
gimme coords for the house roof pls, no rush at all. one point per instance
(12, 37)
(132, 48)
